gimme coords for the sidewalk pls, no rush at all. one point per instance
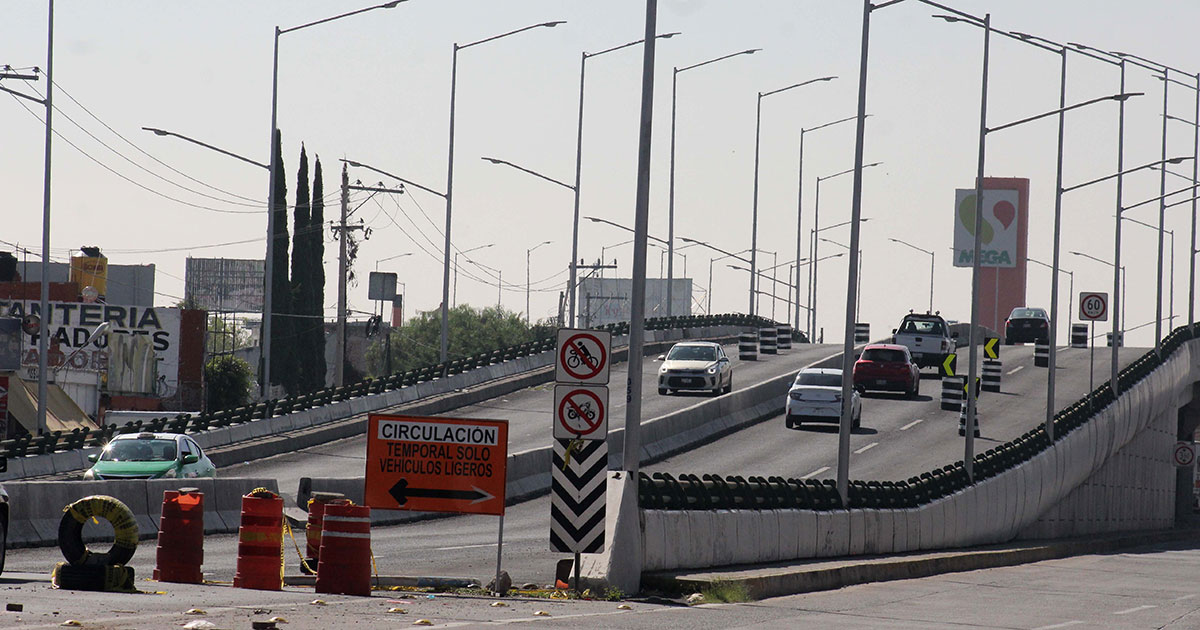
(789, 578)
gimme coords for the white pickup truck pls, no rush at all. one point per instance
(927, 337)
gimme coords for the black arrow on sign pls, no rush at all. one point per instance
(401, 493)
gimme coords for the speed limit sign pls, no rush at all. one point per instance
(1093, 306)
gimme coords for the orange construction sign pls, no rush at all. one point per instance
(436, 464)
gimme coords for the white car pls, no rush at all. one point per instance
(816, 395)
(697, 366)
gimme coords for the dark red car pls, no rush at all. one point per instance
(887, 367)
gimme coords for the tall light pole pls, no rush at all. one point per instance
(1162, 182)
(499, 279)
(1171, 233)
(671, 190)
(573, 273)
(859, 288)
(1195, 178)
(800, 206)
(528, 284)
(812, 247)
(754, 204)
(931, 260)
(708, 293)
(269, 263)
(1070, 287)
(445, 337)
(1118, 335)
(454, 297)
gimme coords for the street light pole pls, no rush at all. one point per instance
(571, 282)
(269, 263)
(527, 281)
(454, 298)
(754, 204)
(931, 259)
(445, 336)
(671, 189)
(800, 210)
(813, 247)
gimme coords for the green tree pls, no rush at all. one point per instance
(228, 379)
(282, 365)
(472, 331)
(316, 286)
(225, 336)
(298, 377)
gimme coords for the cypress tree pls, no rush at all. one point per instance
(297, 379)
(317, 280)
(281, 302)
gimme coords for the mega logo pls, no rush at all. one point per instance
(997, 229)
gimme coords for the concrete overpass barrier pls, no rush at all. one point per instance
(1109, 473)
(36, 507)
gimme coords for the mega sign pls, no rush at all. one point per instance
(70, 324)
(998, 229)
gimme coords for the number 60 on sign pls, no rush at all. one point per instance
(1093, 306)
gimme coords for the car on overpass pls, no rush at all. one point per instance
(816, 396)
(927, 337)
(150, 456)
(695, 366)
(887, 367)
(1027, 325)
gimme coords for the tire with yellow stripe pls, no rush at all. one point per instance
(70, 531)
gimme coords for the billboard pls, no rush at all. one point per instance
(224, 285)
(71, 323)
(999, 228)
(606, 300)
(90, 271)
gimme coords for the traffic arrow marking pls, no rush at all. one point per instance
(948, 364)
(401, 493)
(991, 348)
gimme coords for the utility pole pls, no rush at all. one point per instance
(343, 229)
(592, 269)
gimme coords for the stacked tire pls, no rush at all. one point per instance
(86, 570)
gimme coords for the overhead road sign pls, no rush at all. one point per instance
(583, 356)
(580, 411)
(436, 464)
(1093, 306)
(991, 348)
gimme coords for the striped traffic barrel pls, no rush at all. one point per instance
(862, 332)
(1079, 335)
(767, 340)
(962, 421)
(785, 337)
(952, 392)
(992, 369)
(180, 537)
(260, 542)
(747, 346)
(1041, 354)
(345, 564)
(312, 529)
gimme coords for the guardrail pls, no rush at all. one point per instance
(77, 439)
(711, 492)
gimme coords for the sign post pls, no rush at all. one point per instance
(1093, 307)
(579, 469)
(438, 465)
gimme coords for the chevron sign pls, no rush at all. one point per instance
(577, 495)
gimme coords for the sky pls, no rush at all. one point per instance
(375, 88)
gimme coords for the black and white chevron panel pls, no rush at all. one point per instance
(577, 496)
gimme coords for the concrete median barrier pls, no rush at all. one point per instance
(36, 507)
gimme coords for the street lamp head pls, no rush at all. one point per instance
(492, 160)
(552, 24)
(1177, 160)
(157, 132)
(1126, 96)
(750, 51)
(390, 5)
(669, 35)
(869, 166)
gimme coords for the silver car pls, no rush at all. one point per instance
(695, 366)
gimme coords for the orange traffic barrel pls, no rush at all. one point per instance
(260, 542)
(181, 537)
(312, 529)
(345, 561)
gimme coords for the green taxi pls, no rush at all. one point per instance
(150, 456)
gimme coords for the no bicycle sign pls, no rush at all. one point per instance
(580, 411)
(583, 356)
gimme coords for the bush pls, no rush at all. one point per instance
(229, 380)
